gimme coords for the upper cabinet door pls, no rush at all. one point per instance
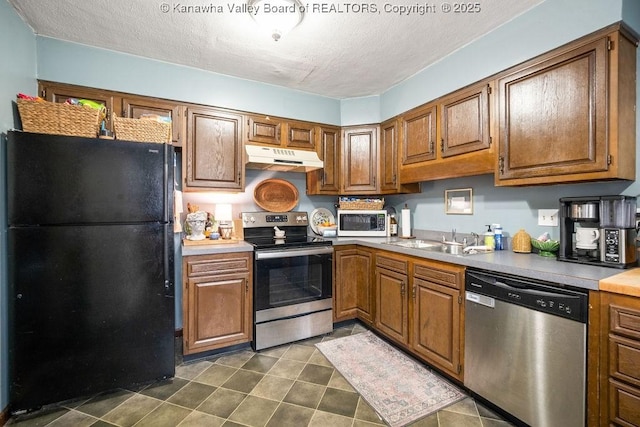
(134, 107)
(419, 135)
(263, 130)
(214, 152)
(553, 115)
(329, 175)
(465, 122)
(301, 135)
(389, 155)
(360, 160)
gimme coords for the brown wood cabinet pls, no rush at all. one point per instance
(359, 160)
(301, 135)
(464, 121)
(356, 164)
(392, 304)
(569, 115)
(419, 306)
(390, 132)
(280, 132)
(327, 179)
(389, 180)
(620, 360)
(438, 325)
(214, 155)
(217, 301)
(263, 130)
(353, 289)
(135, 106)
(449, 137)
(419, 135)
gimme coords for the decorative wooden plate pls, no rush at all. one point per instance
(276, 195)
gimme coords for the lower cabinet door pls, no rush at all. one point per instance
(392, 308)
(436, 325)
(624, 404)
(219, 312)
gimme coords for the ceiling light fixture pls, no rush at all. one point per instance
(277, 17)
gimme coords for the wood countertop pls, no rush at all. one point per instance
(626, 283)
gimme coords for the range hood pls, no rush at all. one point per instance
(282, 159)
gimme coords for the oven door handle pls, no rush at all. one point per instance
(288, 253)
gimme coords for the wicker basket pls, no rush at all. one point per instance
(141, 130)
(521, 242)
(58, 119)
(362, 204)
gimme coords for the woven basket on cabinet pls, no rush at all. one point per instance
(141, 130)
(361, 204)
(58, 119)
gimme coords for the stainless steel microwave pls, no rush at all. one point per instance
(362, 223)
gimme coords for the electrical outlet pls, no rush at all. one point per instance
(548, 217)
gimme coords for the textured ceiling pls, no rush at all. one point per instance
(339, 52)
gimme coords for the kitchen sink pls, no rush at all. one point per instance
(453, 248)
(416, 244)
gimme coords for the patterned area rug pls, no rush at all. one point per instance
(400, 389)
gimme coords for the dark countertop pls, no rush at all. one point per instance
(530, 266)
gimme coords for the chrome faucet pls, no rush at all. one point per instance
(453, 234)
(476, 238)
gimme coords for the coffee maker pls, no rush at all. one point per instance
(598, 230)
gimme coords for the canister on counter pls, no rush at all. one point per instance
(521, 242)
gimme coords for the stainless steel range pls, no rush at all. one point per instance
(292, 278)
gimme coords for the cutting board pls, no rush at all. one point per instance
(626, 283)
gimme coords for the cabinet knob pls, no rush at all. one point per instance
(501, 164)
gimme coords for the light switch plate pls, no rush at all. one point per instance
(548, 217)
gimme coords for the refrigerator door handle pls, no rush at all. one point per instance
(168, 261)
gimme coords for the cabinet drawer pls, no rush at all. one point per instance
(624, 321)
(197, 266)
(624, 360)
(450, 276)
(399, 265)
(624, 404)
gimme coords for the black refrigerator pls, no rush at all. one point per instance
(90, 266)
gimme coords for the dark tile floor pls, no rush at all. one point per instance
(290, 385)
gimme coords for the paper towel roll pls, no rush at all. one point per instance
(406, 223)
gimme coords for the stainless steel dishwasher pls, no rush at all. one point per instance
(525, 347)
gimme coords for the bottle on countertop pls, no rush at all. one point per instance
(393, 225)
(489, 240)
(497, 231)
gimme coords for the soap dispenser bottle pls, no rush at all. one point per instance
(489, 240)
(497, 229)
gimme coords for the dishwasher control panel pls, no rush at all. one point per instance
(483, 287)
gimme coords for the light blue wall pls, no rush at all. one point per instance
(17, 74)
(362, 110)
(66, 62)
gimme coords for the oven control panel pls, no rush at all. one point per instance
(270, 219)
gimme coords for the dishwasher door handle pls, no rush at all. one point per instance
(480, 299)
